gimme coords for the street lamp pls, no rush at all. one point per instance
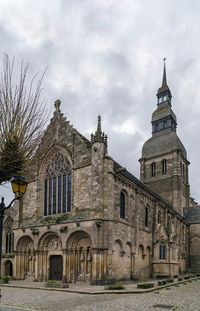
(19, 185)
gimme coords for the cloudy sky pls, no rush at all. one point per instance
(105, 57)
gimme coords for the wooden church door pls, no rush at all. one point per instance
(56, 268)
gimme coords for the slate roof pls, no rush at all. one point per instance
(161, 144)
(192, 214)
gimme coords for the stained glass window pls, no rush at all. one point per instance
(57, 185)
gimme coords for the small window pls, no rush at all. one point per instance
(162, 252)
(164, 167)
(156, 127)
(165, 124)
(146, 220)
(122, 205)
(153, 169)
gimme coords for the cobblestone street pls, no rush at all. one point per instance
(185, 297)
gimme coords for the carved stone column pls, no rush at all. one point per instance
(64, 252)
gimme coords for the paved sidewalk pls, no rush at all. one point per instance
(184, 297)
(130, 287)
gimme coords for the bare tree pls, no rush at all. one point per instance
(22, 118)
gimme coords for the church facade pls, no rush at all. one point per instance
(85, 218)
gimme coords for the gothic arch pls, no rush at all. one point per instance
(55, 179)
(49, 155)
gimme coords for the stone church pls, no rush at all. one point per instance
(85, 218)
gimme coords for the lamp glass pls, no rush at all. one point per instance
(19, 185)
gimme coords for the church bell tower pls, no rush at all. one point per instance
(164, 164)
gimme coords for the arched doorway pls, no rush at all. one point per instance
(25, 258)
(79, 262)
(8, 268)
(51, 265)
(55, 267)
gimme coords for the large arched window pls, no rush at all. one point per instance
(9, 236)
(122, 205)
(57, 186)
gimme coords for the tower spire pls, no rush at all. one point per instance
(164, 87)
(164, 80)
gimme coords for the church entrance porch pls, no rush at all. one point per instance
(56, 267)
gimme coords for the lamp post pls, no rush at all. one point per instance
(19, 186)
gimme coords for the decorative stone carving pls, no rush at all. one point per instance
(54, 244)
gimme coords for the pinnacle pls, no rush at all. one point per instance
(99, 136)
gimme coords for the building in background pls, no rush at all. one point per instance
(85, 218)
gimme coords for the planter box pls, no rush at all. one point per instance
(162, 282)
(186, 277)
(180, 278)
(170, 280)
(145, 285)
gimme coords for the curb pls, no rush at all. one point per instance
(15, 308)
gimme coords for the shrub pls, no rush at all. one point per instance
(180, 278)
(114, 287)
(170, 280)
(5, 278)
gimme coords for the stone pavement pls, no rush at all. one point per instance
(185, 297)
(130, 287)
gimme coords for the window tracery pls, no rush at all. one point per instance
(9, 237)
(57, 185)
